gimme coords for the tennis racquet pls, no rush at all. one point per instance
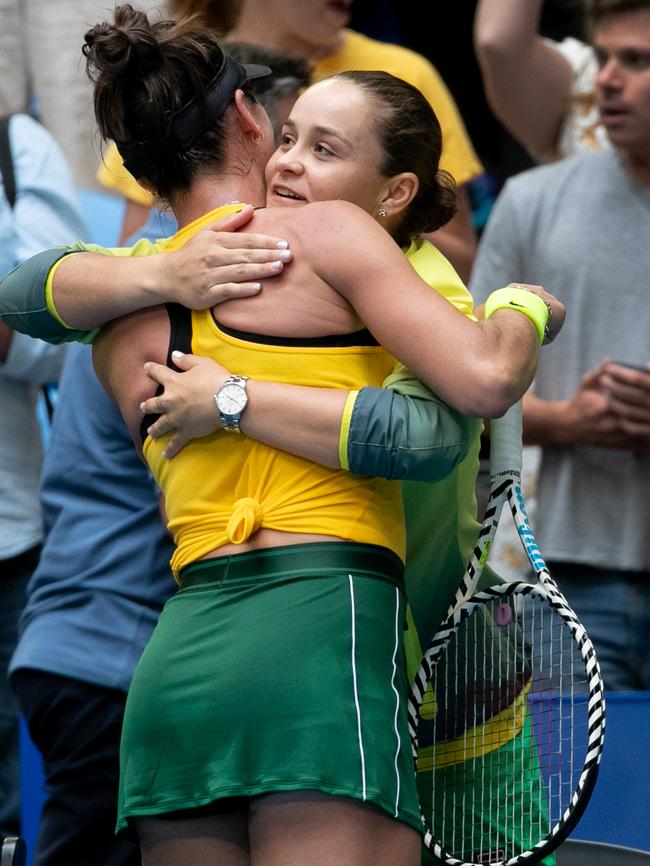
(13, 851)
(507, 709)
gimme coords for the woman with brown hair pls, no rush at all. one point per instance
(266, 719)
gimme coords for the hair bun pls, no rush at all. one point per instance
(128, 42)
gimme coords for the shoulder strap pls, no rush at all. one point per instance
(180, 337)
(7, 162)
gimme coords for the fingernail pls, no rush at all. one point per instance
(256, 286)
(147, 365)
(142, 407)
(177, 354)
(277, 266)
(285, 255)
(282, 245)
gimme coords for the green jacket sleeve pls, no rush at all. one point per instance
(23, 305)
(411, 435)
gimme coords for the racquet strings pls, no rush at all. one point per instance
(507, 711)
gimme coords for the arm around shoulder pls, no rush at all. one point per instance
(415, 324)
(23, 302)
(527, 80)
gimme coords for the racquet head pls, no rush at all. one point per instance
(507, 708)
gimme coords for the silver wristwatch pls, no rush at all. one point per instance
(231, 400)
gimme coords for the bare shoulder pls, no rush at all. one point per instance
(120, 352)
(343, 239)
(334, 217)
(340, 243)
(325, 218)
(134, 335)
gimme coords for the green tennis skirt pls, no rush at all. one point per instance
(274, 670)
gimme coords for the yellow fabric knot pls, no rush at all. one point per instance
(246, 518)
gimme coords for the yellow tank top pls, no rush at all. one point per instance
(221, 488)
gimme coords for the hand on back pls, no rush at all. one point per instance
(220, 263)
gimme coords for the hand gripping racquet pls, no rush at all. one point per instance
(507, 709)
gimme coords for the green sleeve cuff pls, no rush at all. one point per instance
(395, 436)
(23, 302)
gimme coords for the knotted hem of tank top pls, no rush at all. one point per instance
(246, 519)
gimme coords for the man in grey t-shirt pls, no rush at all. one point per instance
(581, 228)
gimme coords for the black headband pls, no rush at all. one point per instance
(190, 121)
(195, 117)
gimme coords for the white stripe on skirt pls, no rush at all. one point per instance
(397, 700)
(356, 691)
(398, 739)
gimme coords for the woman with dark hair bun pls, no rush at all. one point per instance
(144, 74)
(266, 722)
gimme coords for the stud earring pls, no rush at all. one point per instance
(382, 212)
(257, 139)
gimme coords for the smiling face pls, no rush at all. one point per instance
(328, 150)
(622, 46)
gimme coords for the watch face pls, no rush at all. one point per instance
(231, 399)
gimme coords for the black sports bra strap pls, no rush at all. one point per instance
(180, 339)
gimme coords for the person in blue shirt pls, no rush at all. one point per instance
(43, 211)
(93, 601)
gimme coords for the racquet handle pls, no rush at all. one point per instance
(505, 442)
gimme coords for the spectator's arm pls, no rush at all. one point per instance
(527, 80)
(587, 417)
